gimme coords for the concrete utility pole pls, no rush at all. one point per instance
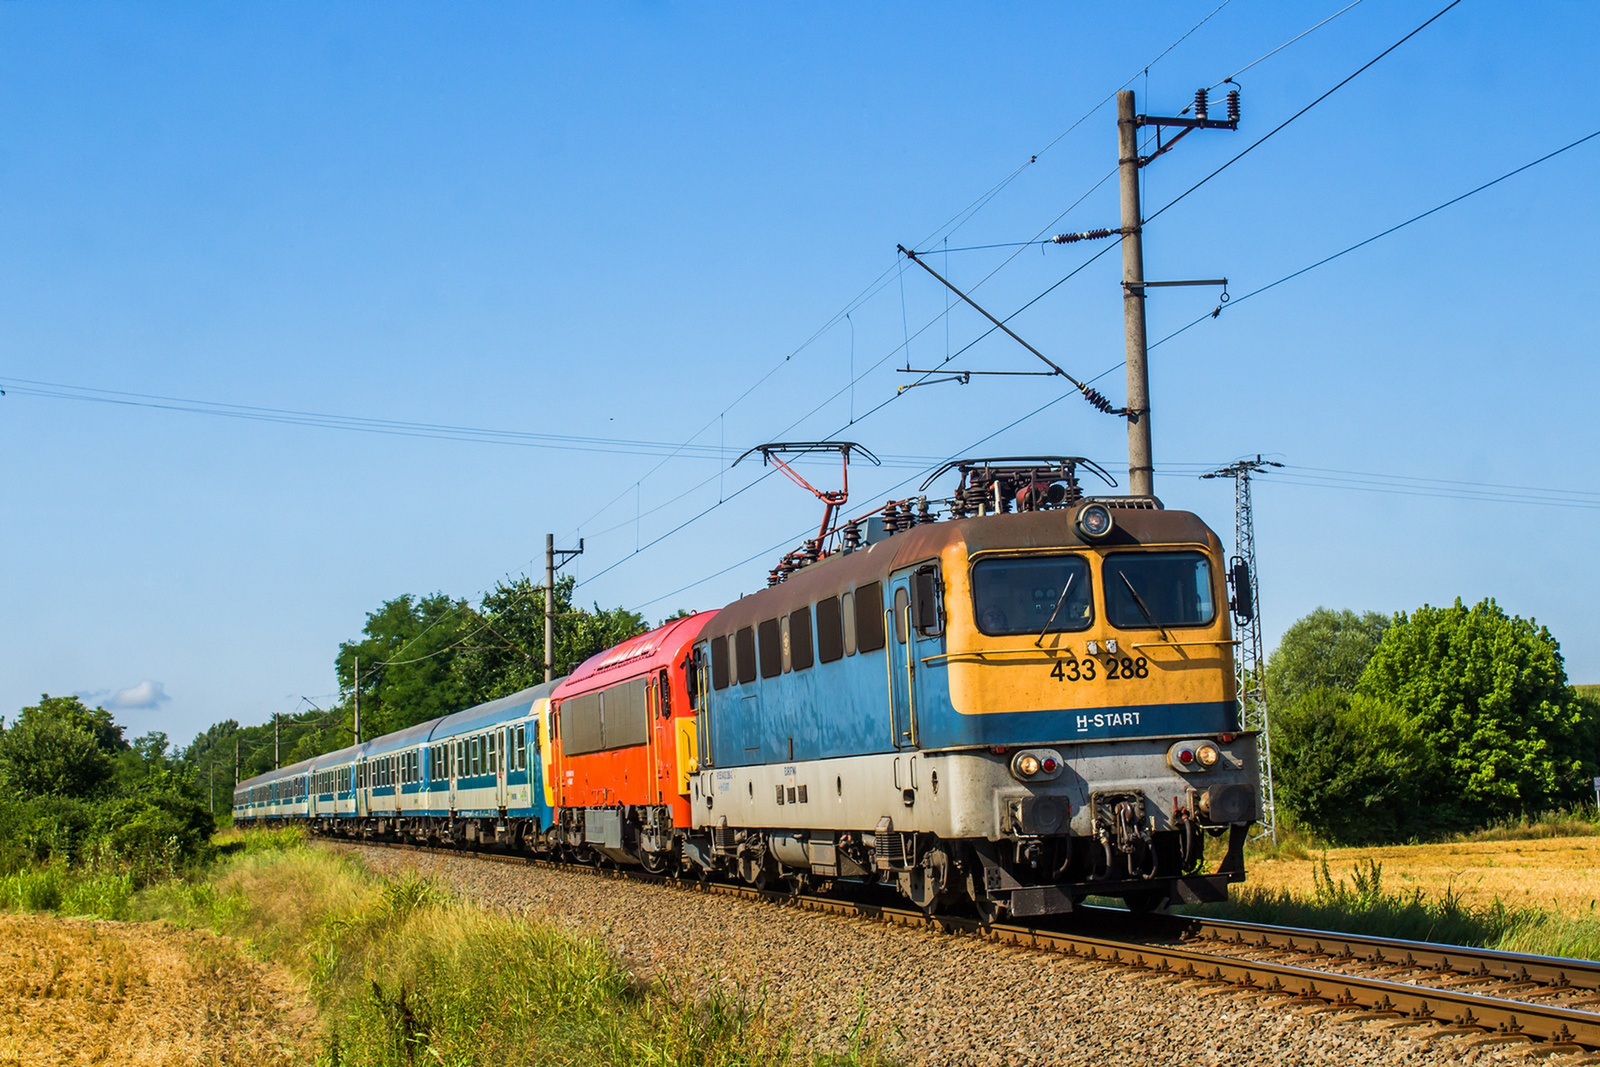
(549, 605)
(551, 565)
(1141, 467)
(356, 689)
(235, 759)
(276, 761)
(211, 768)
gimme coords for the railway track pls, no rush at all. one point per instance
(1502, 995)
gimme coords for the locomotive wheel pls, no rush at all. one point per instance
(655, 862)
(989, 911)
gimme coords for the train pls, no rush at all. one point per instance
(1005, 703)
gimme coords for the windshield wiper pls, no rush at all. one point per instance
(1144, 608)
(1060, 600)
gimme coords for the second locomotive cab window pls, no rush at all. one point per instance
(1031, 595)
(719, 663)
(800, 639)
(1154, 589)
(869, 618)
(744, 645)
(830, 630)
(771, 650)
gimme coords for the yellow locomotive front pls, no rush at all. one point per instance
(1084, 656)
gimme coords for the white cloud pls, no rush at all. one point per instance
(146, 696)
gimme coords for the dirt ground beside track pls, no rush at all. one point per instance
(83, 992)
(1559, 874)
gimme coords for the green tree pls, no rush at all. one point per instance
(1351, 768)
(1488, 693)
(508, 653)
(1324, 650)
(407, 654)
(60, 747)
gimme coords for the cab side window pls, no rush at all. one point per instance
(744, 646)
(719, 663)
(800, 639)
(869, 617)
(830, 630)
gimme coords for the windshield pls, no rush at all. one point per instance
(1157, 589)
(1031, 595)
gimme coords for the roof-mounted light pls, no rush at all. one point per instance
(1094, 521)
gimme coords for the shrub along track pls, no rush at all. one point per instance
(1451, 989)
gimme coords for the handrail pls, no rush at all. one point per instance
(1180, 644)
(888, 674)
(983, 652)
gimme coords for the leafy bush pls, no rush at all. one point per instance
(1323, 650)
(1488, 694)
(1352, 768)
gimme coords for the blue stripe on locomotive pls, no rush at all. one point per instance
(843, 709)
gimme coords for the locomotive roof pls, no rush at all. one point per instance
(1022, 530)
(660, 647)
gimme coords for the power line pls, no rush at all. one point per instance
(1385, 233)
(950, 225)
(890, 490)
(357, 423)
(1274, 131)
(1417, 486)
(1286, 44)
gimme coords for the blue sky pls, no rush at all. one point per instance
(612, 221)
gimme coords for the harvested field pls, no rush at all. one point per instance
(82, 992)
(1561, 874)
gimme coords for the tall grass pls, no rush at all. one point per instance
(58, 889)
(1363, 905)
(403, 974)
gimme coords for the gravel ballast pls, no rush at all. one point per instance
(932, 998)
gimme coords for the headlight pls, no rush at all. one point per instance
(1036, 765)
(1193, 757)
(1094, 521)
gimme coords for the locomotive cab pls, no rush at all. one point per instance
(1016, 708)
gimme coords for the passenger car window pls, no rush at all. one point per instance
(1031, 595)
(1146, 590)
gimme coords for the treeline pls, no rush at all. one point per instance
(420, 658)
(75, 792)
(1425, 724)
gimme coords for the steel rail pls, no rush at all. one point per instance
(1458, 1010)
(1554, 972)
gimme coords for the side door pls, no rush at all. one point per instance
(915, 618)
(452, 760)
(505, 735)
(900, 661)
(362, 809)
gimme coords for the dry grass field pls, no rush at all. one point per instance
(82, 992)
(1557, 874)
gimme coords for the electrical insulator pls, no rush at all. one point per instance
(1200, 111)
(1094, 397)
(1233, 106)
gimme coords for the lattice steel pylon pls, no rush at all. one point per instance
(1249, 663)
